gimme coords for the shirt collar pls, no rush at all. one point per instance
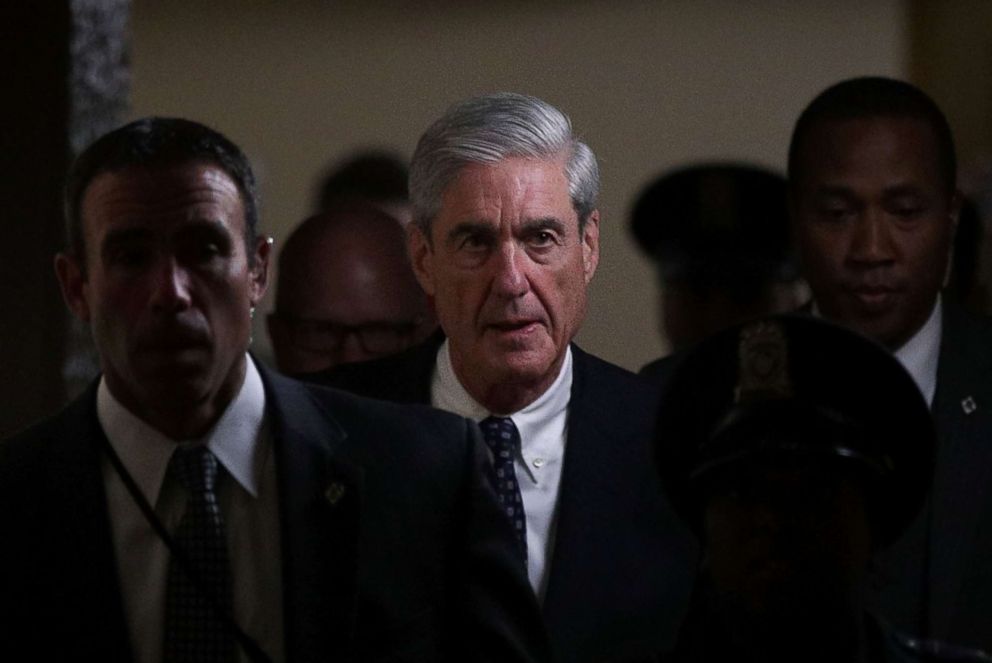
(236, 439)
(447, 393)
(921, 353)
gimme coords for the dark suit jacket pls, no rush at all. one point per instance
(938, 579)
(659, 371)
(394, 548)
(622, 566)
(882, 644)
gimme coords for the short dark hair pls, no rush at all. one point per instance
(157, 141)
(374, 175)
(870, 97)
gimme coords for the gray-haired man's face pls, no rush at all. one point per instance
(507, 268)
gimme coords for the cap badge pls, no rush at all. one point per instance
(763, 371)
(334, 493)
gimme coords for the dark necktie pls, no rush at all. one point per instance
(503, 439)
(195, 631)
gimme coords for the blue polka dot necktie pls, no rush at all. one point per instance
(195, 631)
(501, 434)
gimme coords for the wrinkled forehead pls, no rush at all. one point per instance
(518, 183)
(161, 198)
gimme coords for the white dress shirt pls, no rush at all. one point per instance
(543, 427)
(921, 353)
(249, 504)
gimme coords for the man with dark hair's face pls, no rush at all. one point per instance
(167, 289)
(874, 206)
(192, 505)
(874, 222)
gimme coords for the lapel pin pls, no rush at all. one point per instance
(334, 493)
(969, 405)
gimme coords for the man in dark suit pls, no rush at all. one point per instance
(192, 506)
(874, 204)
(505, 240)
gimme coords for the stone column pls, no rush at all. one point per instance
(66, 82)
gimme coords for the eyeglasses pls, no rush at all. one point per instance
(326, 336)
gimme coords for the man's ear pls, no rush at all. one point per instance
(421, 257)
(590, 245)
(72, 281)
(259, 270)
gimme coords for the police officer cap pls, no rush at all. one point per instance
(715, 223)
(791, 386)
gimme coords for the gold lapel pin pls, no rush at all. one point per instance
(334, 493)
(969, 405)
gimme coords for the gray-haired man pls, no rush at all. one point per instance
(505, 240)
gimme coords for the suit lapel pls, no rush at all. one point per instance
(85, 572)
(320, 512)
(963, 413)
(585, 508)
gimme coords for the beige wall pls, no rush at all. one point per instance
(951, 58)
(648, 84)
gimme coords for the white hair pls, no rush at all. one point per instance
(491, 128)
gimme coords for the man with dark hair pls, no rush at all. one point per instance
(505, 239)
(374, 177)
(193, 506)
(875, 97)
(346, 292)
(874, 204)
(775, 450)
(157, 141)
